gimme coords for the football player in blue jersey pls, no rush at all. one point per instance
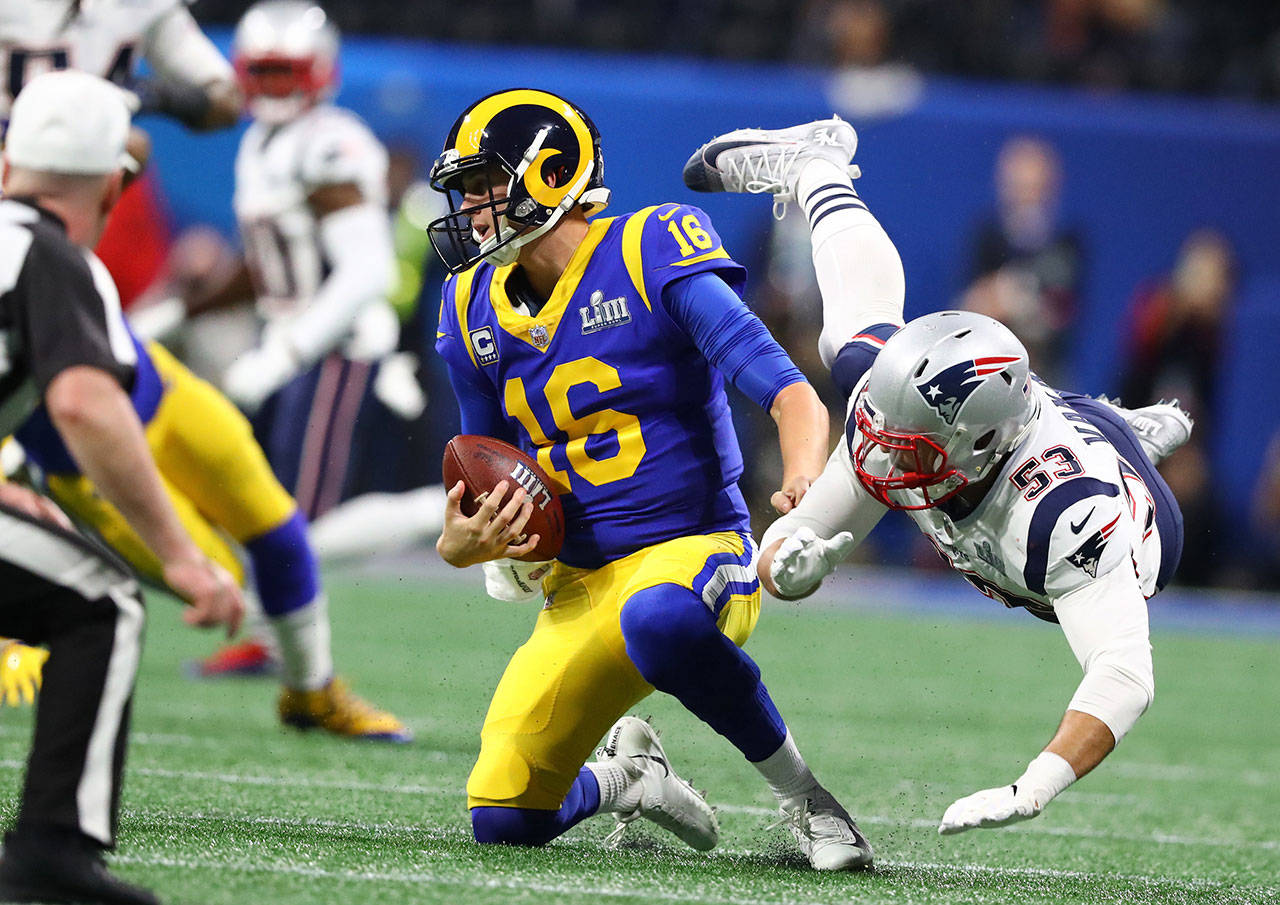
(601, 347)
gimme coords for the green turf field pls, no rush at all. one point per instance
(898, 715)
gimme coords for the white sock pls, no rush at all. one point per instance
(859, 271)
(618, 794)
(305, 655)
(785, 771)
(257, 625)
(826, 193)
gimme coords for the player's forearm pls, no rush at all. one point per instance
(1082, 740)
(225, 105)
(101, 430)
(1105, 622)
(764, 568)
(357, 242)
(236, 288)
(803, 429)
(194, 82)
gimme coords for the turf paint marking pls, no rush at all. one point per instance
(1190, 885)
(750, 810)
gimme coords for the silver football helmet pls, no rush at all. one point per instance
(947, 397)
(286, 58)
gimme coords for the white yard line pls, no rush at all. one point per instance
(419, 877)
(1154, 838)
(649, 893)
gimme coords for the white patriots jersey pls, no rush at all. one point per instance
(277, 169)
(1065, 509)
(101, 37)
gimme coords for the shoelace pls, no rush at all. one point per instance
(614, 838)
(763, 172)
(797, 818)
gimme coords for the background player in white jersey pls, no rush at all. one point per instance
(318, 254)
(1041, 499)
(193, 82)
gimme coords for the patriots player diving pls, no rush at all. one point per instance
(601, 347)
(1042, 499)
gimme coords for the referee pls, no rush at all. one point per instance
(63, 343)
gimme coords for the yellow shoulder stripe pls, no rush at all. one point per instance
(632, 233)
(461, 301)
(711, 255)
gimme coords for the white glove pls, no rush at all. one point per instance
(158, 320)
(804, 559)
(258, 373)
(1044, 779)
(988, 808)
(397, 387)
(513, 581)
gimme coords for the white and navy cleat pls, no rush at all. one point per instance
(1160, 428)
(665, 798)
(764, 161)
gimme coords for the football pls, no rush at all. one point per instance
(481, 463)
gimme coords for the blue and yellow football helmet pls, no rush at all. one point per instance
(549, 152)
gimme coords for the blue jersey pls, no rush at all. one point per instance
(612, 384)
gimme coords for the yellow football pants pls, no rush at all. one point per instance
(212, 467)
(572, 679)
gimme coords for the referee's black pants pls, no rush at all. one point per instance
(60, 590)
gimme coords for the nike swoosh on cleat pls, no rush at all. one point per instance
(1076, 529)
(657, 760)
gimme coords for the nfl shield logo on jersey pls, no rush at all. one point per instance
(538, 334)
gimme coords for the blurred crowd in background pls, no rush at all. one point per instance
(1025, 263)
(1025, 271)
(1229, 47)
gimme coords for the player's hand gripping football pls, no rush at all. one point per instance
(990, 808)
(804, 559)
(20, 671)
(210, 591)
(493, 532)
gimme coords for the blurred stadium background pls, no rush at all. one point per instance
(1102, 174)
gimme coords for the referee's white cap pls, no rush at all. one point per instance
(68, 122)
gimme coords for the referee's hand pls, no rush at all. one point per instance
(32, 504)
(212, 594)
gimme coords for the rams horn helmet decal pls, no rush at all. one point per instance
(542, 147)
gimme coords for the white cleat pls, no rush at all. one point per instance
(665, 798)
(764, 161)
(825, 832)
(1160, 428)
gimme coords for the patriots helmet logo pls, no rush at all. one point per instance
(948, 390)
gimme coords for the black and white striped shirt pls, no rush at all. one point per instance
(58, 308)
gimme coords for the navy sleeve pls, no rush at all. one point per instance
(478, 406)
(731, 337)
(857, 356)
